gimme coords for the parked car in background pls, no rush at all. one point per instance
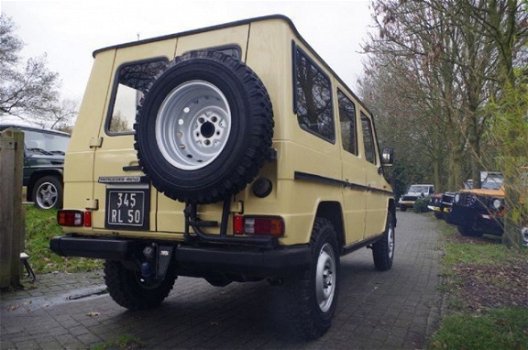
(44, 151)
(441, 204)
(479, 211)
(415, 191)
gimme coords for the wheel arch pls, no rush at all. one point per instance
(392, 210)
(333, 212)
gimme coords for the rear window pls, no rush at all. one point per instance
(132, 81)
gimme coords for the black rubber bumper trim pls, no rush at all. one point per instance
(274, 261)
(284, 259)
(112, 249)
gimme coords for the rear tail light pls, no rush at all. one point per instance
(74, 218)
(70, 217)
(258, 225)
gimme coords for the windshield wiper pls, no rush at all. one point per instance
(36, 149)
(58, 152)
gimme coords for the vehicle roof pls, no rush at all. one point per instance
(200, 30)
(283, 18)
(4, 126)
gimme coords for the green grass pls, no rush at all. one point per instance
(495, 329)
(480, 252)
(488, 328)
(474, 253)
(41, 225)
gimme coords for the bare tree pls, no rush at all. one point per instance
(27, 90)
(451, 67)
(63, 115)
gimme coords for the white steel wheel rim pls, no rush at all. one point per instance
(47, 195)
(325, 278)
(193, 125)
(390, 241)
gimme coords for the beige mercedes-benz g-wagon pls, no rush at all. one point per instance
(232, 153)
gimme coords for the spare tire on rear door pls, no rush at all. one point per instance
(204, 128)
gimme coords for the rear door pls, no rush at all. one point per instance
(229, 41)
(125, 199)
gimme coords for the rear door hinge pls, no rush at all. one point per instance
(92, 204)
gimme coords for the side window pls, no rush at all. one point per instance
(368, 139)
(313, 97)
(133, 80)
(347, 119)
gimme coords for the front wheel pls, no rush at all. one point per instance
(383, 250)
(310, 299)
(129, 290)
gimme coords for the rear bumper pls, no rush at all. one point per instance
(99, 248)
(190, 259)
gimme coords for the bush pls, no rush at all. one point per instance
(420, 206)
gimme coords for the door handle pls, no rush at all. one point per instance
(132, 166)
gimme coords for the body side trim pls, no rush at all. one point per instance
(299, 175)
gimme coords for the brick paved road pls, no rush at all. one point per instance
(394, 309)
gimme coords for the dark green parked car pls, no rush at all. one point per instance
(43, 164)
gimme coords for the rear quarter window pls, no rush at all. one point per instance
(312, 97)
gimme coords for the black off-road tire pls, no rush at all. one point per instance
(246, 147)
(47, 184)
(438, 215)
(302, 313)
(467, 231)
(126, 289)
(383, 249)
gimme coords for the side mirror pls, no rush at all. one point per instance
(387, 156)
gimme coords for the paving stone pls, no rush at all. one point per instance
(386, 310)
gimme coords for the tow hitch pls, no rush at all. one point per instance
(157, 261)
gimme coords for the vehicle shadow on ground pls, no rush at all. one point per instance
(238, 315)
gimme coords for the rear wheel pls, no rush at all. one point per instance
(310, 299)
(129, 290)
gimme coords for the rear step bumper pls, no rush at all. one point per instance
(274, 261)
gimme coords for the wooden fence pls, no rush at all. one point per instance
(12, 223)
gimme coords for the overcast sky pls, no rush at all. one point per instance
(68, 31)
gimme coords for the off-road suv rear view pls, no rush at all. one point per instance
(232, 153)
